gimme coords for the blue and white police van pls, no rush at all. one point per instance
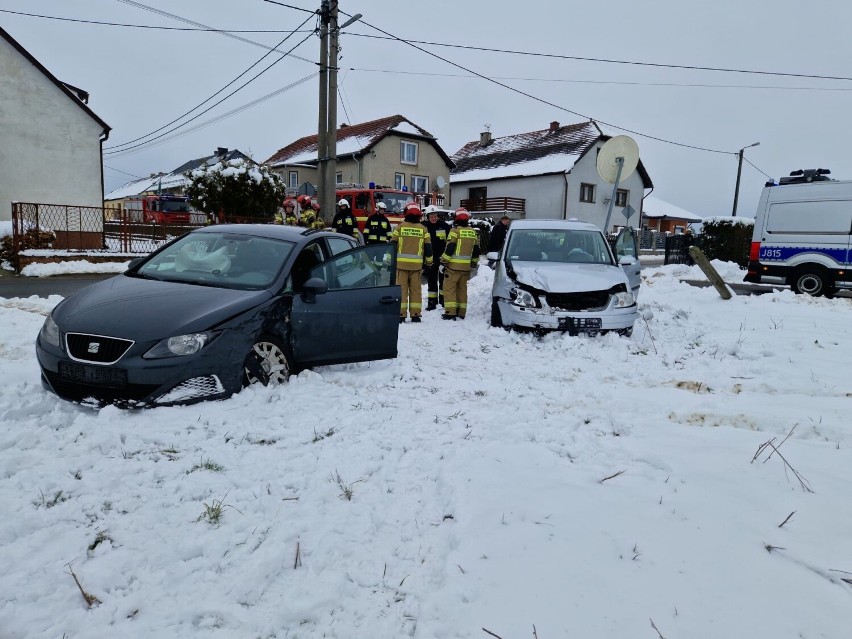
(802, 234)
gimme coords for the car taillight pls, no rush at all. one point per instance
(754, 253)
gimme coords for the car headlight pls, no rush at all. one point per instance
(179, 345)
(524, 298)
(624, 299)
(50, 332)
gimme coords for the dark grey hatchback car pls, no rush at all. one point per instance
(220, 308)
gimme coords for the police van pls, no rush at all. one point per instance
(802, 233)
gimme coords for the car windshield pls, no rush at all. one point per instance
(558, 245)
(226, 260)
(174, 206)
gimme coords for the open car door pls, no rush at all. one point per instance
(349, 311)
(627, 255)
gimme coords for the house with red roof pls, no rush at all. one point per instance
(545, 174)
(391, 151)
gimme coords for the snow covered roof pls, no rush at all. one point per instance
(552, 150)
(654, 207)
(175, 179)
(353, 139)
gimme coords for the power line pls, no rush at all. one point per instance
(758, 169)
(221, 32)
(143, 26)
(542, 100)
(613, 82)
(212, 106)
(219, 118)
(686, 67)
(124, 144)
(112, 168)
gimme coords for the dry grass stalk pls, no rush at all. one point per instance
(653, 625)
(91, 599)
(788, 519)
(613, 476)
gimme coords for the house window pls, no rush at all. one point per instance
(293, 179)
(477, 193)
(419, 184)
(621, 197)
(407, 152)
(587, 192)
(338, 177)
(398, 181)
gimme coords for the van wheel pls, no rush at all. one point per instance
(812, 280)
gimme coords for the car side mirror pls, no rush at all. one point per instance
(313, 287)
(136, 261)
(626, 260)
(491, 256)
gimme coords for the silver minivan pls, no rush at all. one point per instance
(562, 275)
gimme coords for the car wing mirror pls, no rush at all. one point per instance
(136, 261)
(491, 255)
(313, 287)
(626, 260)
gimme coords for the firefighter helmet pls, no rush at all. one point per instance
(343, 202)
(412, 209)
(315, 206)
(461, 215)
(304, 200)
(381, 206)
(289, 202)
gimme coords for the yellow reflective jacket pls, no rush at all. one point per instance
(462, 248)
(413, 246)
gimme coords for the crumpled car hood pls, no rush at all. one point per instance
(568, 278)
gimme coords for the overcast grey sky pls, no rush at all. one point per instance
(142, 78)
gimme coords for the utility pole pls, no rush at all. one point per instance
(327, 125)
(322, 124)
(739, 173)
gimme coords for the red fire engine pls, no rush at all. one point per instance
(363, 200)
(158, 209)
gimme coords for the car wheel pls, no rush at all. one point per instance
(267, 361)
(812, 281)
(496, 319)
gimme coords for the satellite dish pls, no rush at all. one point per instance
(621, 146)
(440, 181)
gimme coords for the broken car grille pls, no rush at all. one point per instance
(585, 301)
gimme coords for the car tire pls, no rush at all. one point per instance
(268, 361)
(813, 281)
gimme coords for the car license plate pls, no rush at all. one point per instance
(580, 324)
(98, 375)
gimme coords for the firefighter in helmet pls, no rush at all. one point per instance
(378, 230)
(413, 250)
(461, 252)
(290, 212)
(317, 222)
(438, 230)
(344, 221)
(304, 202)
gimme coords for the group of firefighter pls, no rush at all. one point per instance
(444, 254)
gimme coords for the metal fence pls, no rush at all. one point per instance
(86, 229)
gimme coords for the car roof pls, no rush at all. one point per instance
(296, 234)
(542, 225)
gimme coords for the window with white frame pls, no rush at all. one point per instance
(587, 192)
(407, 152)
(338, 177)
(622, 197)
(419, 184)
(399, 181)
(293, 179)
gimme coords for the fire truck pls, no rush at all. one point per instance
(158, 209)
(363, 200)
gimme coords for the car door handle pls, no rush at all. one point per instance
(389, 299)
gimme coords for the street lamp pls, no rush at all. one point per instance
(739, 172)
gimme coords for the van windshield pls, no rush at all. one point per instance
(394, 201)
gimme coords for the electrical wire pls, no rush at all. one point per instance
(112, 168)
(613, 82)
(687, 67)
(118, 146)
(221, 32)
(212, 106)
(218, 118)
(542, 100)
(758, 168)
(142, 26)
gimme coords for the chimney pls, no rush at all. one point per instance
(221, 151)
(554, 126)
(484, 138)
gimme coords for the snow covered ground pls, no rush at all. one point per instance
(690, 482)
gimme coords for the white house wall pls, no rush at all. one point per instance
(49, 147)
(585, 172)
(543, 193)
